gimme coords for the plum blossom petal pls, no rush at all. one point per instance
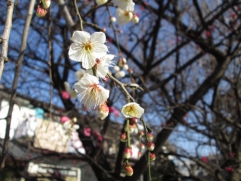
(131, 110)
(92, 94)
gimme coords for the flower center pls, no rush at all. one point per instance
(130, 110)
(88, 46)
(127, 14)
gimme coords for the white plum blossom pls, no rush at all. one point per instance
(79, 74)
(102, 66)
(131, 110)
(125, 4)
(92, 94)
(71, 92)
(100, 2)
(87, 48)
(124, 16)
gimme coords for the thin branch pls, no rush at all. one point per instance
(6, 34)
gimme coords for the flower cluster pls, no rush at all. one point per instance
(91, 51)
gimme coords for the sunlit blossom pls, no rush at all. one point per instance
(91, 93)
(102, 66)
(87, 48)
(131, 110)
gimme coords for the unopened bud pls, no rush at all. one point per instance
(152, 156)
(120, 74)
(135, 18)
(128, 153)
(150, 146)
(113, 19)
(123, 137)
(103, 29)
(103, 111)
(116, 68)
(129, 170)
(149, 137)
(125, 67)
(41, 12)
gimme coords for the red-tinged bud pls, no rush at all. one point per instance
(103, 29)
(141, 133)
(129, 170)
(149, 137)
(123, 137)
(152, 156)
(103, 111)
(46, 3)
(135, 18)
(130, 71)
(139, 154)
(150, 146)
(41, 12)
(132, 127)
(128, 153)
(208, 33)
(134, 120)
(142, 146)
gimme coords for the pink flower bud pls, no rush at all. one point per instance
(142, 146)
(152, 156)
(103, 111)
(135, 18)
(123, 137)
(139, 154)
(134, 120)
(65, 95)
(141, 133)
(64, 119)
(103, 29)
(149, 137)
(208, 33)
(111, 109)
(41, 12)
(150, 146)
(129, 170)
(128, 153)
